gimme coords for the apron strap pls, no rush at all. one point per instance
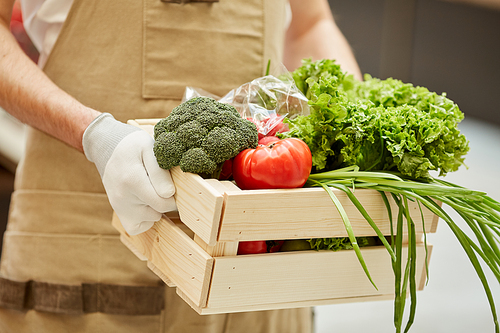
(84, 298)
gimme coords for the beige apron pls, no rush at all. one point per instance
(63, 268)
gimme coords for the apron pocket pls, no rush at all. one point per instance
(214, 46)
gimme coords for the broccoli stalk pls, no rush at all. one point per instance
(200, 135)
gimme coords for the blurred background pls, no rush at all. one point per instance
(446, 46)
(452, 47)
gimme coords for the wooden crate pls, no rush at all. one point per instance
(195, 251)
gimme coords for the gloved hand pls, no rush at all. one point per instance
(138, 189)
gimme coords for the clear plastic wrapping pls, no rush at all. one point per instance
(266, 101)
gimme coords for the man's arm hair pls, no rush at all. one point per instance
(30, 96)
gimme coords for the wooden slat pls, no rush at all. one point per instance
(290, 305)
(141, 245)
(301, 276)
(229, 186)
(198, 203)
(160, 274)
(149, 121)
(306, 213)
(146, 124)
(182, 261)
(173, 253)
(220, 248)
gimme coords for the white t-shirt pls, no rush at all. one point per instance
(43, 20)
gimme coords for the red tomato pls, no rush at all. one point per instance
(227, 169)
(274, 246)
(283, 164)
(268, 140)
(252, 247)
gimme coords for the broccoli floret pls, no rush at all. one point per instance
(210, 119)
(168, 150)
(171, 123)
(196, 160)
(221, 144)
(231, 109)
(200, 135)
(191, 133)
(249, 135)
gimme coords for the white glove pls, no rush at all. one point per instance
(138, 189)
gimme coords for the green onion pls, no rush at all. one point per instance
(480, 212)
(350, 233)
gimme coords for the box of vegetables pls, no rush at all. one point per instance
(332, 204)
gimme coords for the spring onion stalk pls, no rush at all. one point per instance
(412, 262)
(350, 232)
(399, 297)
(480, 212)
(425, 245)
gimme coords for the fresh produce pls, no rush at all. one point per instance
(387, 135)
(255, 247)
(481, 213)
(295, 245)
(281, 164)
(270, 125)
(226, 170)
(376, 124)
(252, 247)
(340, 243)
(200, 135)
(268, 140)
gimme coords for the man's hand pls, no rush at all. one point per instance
(138, 189)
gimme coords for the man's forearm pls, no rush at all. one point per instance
(30, 96)
(314, 34)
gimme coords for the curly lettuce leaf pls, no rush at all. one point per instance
(376, 124)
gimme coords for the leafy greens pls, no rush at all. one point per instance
(387, 136)
(376, 124)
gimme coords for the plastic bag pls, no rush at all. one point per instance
(266, 101)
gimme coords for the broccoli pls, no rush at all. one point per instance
(199, 135)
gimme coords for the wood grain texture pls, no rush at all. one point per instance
(198, 203)
(248, 280)
(195, 249)
(170, 251)
(307, 213)
(290, 305)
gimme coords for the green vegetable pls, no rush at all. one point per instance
(200, 135)
(376, 124)
(480, 212)
(340, 243)
(332, 244)
(402, 132)
(295, 245)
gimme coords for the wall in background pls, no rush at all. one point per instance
(444, 46)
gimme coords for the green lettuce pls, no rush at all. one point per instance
(376, 124)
